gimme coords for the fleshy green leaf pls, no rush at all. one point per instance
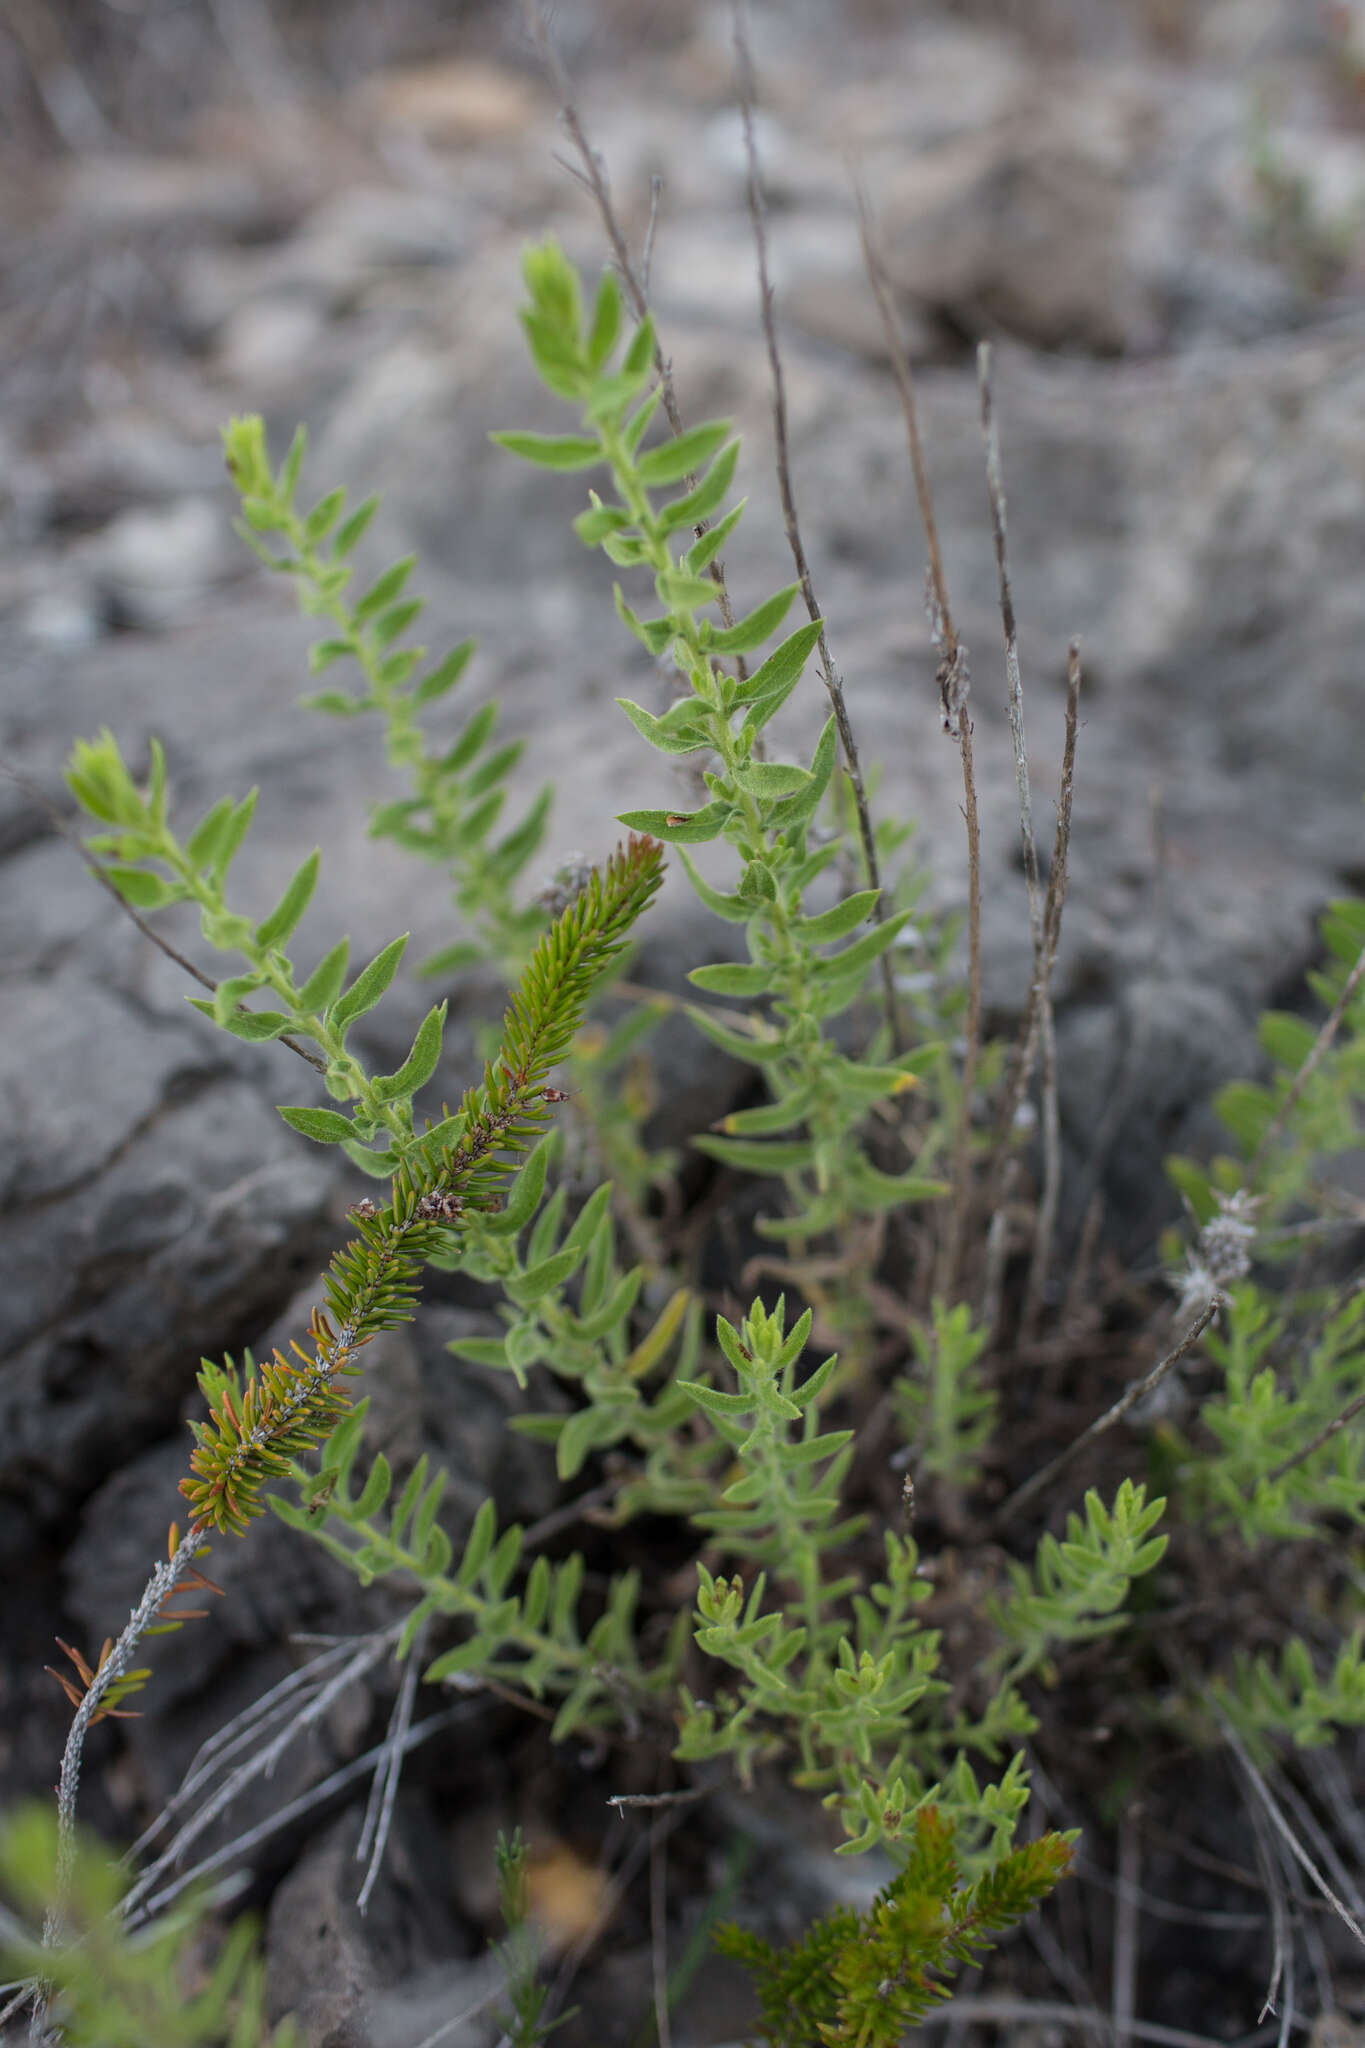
(733, 978)
(322, 985)
(368, 986)
(145, 891)
(710, 493)
(704, 551)
(606, 320)
(768, 780)
(323, 1126)
(679, 828)
(283, 919)
(690, 451)
(353, 530)
(678, 739)
(844, 918)
(761, 623)
(735, 909)
(385, 590)
(553, 451)
(445, 675)
(782, 1155)
(420, 1064)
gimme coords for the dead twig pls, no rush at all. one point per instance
(1128, 1399)
(64, 826)
(833, 681)
(1038, 1025)
(1321, 1046)
(1338, 1422)
(592, 175)
(954, 686)
(374, 1833)
(1282, 1941)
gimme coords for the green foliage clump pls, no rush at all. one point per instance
(859, 1980)
(809, 1646)
(105, 1989)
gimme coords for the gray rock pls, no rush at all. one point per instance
(330, 1966)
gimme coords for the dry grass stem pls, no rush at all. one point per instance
(307, 1802)
(1322, 1845)
(374, 1832)
(1282, 1942)
(1278, 1822)
(998, 1245)
(246, 1728)
(689, 1796)
(833, 681)
(1128, 1399)
(875, 266)
(259, 1764)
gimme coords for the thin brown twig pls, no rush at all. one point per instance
(1021, 1056)
(688, 1796)
(954, 687)
(875, 266)
(1338, 1422)
(593, 177)
(613, 1897)
(1131, 1395)
(833, 681)
(1317, 1053)
(64, 827)
(1038, 1026)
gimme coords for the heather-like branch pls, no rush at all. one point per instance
(259, 1423)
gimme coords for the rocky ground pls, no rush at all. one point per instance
(1153, 209)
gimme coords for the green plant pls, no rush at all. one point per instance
(110, 1989)
(809, 1647)
(859, 1980)
(763, 808)
(459, 790)
(526, 2025)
